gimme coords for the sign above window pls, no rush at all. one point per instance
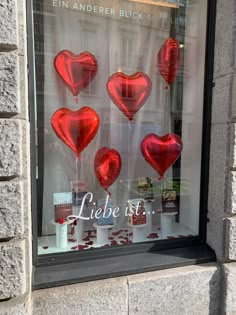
(166, 3)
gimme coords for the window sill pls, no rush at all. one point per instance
(82, 271)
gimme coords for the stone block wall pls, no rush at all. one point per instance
(15, 234)
(189, 290)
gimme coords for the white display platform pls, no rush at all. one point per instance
(102, 233)
(79, 230)
(167, 223)
(61, 234)
(149, 214)
(139, 232)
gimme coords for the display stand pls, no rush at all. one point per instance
(139, 232)
(148, 210)
(61, 234)
(167, 224)
(79, 230)
(102, 233)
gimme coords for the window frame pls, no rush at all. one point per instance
(55, 269)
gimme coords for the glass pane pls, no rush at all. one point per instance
(119, 88)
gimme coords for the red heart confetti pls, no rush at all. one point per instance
(152, 235)
(72, 240)
(81, 247)
(113, 243)
(89, 243)
(74, 247)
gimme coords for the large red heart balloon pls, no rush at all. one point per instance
(169, 60)
(107, 166)
(161, 152)
(129, 93)
(76, 128)
(77, 71)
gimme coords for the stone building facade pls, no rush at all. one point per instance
(196, 289)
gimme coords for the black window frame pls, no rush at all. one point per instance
(73, 267)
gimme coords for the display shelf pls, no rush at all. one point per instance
(116, 236)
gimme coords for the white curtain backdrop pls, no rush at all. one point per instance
(129, 46)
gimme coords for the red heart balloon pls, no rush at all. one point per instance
(76, 128)
(107, 166)
(169, 60)
(129, 93)
(161, 152)
(77, 71)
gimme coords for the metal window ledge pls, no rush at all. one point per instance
(75, 272)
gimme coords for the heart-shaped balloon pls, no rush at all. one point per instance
(107, 166)
(161, 152)
(76, 71)
(169, 60)
(76, 128)
(129, 93)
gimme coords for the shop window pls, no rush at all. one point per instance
(117, 88)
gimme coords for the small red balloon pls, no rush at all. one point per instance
(76, 71)
(76, 128)
(169, 60)
(161, 152)
(129, 93)
(107, 166)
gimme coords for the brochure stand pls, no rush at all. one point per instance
(102, 233)
(79, 230)
(139, 232)
(167, 224)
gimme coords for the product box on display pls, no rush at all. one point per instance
(145, 188)
(106, 217)
(137, 212)
(169, 201)
(62, 205)
(79, 190)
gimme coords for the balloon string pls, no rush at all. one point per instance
(129, 157)
(167, 113)
(76, 180)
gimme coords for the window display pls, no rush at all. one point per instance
(119, 89)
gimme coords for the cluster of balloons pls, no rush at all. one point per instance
(129, 93)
